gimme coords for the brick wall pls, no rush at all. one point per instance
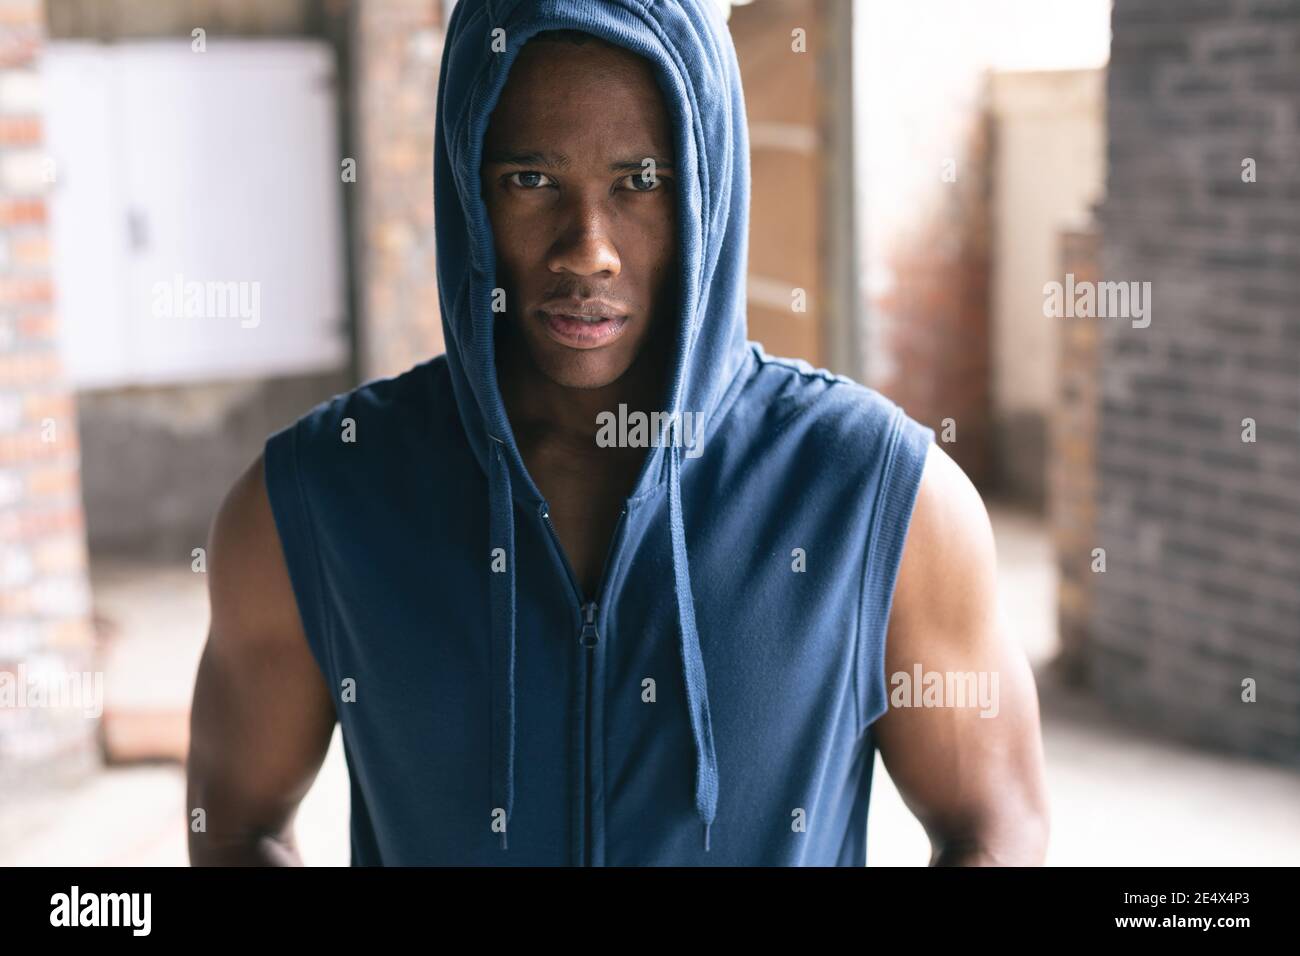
(44, 594)
(786, 221)
(398, 49)
(925, 144)
(1072, 460)
(1202, 530)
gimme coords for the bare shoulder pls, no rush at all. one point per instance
(248, 580)
(947, 579)
(262, 715)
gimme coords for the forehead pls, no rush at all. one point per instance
(595, 94)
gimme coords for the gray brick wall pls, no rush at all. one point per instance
(1202, 530)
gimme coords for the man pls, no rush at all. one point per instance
(554, 633)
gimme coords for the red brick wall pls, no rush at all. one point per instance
(938, 338)
(44, 592)
(924, 148)
(786, 223)
(397, 55)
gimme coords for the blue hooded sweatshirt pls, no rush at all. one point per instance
(713, 704)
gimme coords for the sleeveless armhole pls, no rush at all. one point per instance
(906, 447)
(297, 540)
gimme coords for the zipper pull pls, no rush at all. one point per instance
(589, 636)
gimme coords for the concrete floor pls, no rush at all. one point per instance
(1119, 796)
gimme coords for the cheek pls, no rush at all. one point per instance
(665, 246)
(516, 245)
(657, 242)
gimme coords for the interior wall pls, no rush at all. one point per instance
(1048, 172)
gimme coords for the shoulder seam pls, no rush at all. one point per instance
(309, 532)
(824, 375)
(868, 553)
(906, 454)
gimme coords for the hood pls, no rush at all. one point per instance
(687, 43)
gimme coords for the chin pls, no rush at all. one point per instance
(581, 369)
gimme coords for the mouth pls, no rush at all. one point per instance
(582, 325)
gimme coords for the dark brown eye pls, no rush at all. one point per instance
(644, 182)
(531, 180)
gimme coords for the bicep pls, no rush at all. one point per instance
(262, 715)
(969, 772)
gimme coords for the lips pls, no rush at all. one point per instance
(582, 323)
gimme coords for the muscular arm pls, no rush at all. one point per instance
(262, 716)
(975, 783)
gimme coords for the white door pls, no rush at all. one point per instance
(197, 217)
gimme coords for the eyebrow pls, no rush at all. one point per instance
(636, 165)
(561, 161)
(529, 158)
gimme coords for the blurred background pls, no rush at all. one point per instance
(920, 172)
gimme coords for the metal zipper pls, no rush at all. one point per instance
(589, 638)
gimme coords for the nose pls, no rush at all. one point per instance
(584, 245)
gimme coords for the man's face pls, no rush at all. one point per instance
(585, 234)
